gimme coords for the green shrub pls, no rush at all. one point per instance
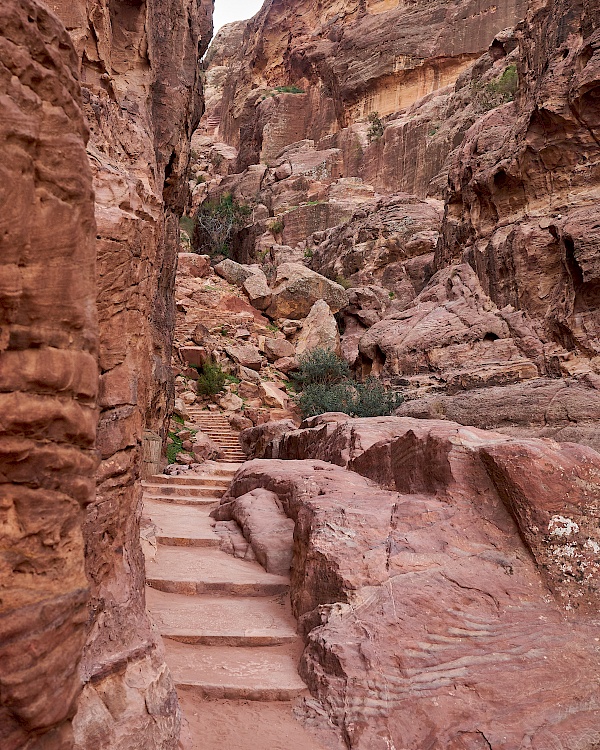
(376, 127)
(497, 92)
(289, 90)
(318, 398)
(212, 379)
(321, 367)
(217, 223)
(373, 399)
(187, 224)
(343, 282)
(276, 227)
(175, 448)
(325, 384)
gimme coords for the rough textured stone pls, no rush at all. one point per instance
(264, 525)
(394, 597)
(454, 335)
(257, 290)
(278, 349)
(297, 288)
(235, 273)
(319, 330)
(245, 355)
(566, 410)
(194, 264)
(258, 442)
(205, 448)
(139, 67)
(48, 377)
(350, 61)
(273, 396)
(522, 206)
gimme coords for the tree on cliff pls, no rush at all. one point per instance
(216, 224)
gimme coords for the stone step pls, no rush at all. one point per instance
(184, 500)
(181, 525)
(194, 490)
(265, 674)
(210, 620)
(188, 479)
(196, 570)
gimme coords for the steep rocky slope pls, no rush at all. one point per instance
(478, 278)
(138, 65)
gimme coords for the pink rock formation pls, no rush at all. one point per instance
(522, 204)
(48, 377)
(350, 60)
(421, 603)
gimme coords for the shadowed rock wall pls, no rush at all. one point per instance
(48, 377)
(138, 67)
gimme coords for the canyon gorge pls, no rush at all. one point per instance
(411, 184)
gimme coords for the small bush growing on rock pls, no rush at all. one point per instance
(276, 227)
(217, 223)
(318, 398)
(321, 367)
(289, 89)
(342, 281)
(497, 92)
(212, 379)
(373, 399)
(325, 384)
(376, 127)
(175, 447)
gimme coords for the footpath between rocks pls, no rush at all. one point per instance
(230, 638)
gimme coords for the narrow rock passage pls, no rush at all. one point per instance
(229, 634)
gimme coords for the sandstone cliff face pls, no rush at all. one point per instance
(139, 72)
(522, 204)
(138, 67)
(48, 377)
(351, 59)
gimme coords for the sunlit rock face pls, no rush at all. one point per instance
(48, 377)
(350, 59)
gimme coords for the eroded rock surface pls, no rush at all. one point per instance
(419, 634)
(48, 377)
(140, 99)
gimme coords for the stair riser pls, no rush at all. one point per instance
(178, 490)
(187, 480)
(221, 475)
(174, 541)
(202, 502)
(225, 588)
(230, 640)
(223, 692)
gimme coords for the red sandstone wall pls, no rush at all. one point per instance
(48, 377)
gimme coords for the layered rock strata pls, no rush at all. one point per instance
(48, 377)
(417, 633)
(138, 64)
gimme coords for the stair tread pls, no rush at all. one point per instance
(240, 619)
(198, 569)
(181, 522)
(259, 673)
